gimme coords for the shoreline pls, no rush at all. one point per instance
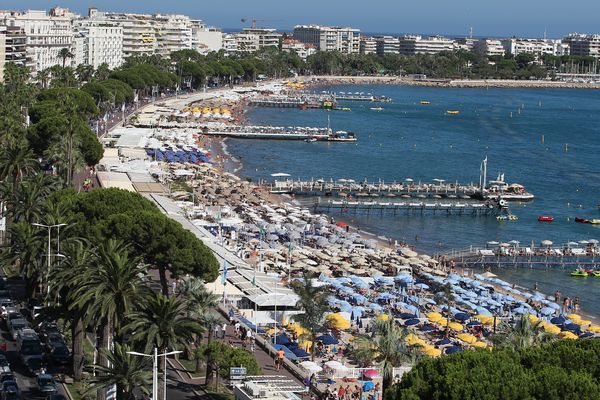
(323, 80)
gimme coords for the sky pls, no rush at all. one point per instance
(493, 18)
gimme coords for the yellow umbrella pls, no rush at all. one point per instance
(479, 345)
(284, 322)
(434, 316)
(383, 317)
(551, 328)
(584, 322)
(594, 328)
(271, 332)
(427, 347)
(337, 321)
(574, 317)
(413, 340)
(455, 326)
(467, 338)
(433, 352)
(532, 318)
(485, 319)
(568, 335)
(306, 345)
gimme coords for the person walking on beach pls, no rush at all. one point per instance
(576, 304)
(557, 296)
(279, 359)
(224, 330)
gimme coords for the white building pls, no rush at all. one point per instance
(172, 33)
(583, 45)
(246, 42)
(387, 45)
(98, 42)
(46, 34)
(465, 44)
(206, 39)
(368, 45)
(230, 44)
(12, 48)
(329, 38)
(267, 37)
(489, 47)
(537, 47)
(302, 49)
(415, 44)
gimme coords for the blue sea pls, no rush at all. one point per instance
(522, 132)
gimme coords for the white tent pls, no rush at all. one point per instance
(310, 366)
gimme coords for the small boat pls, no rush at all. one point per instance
(452, 112)
(579, 273)
(595, 273)
(509, 217)
(545, 218)
(595, 221)
(310, 140)
(377, 108)
(582, 220)
(424, 102)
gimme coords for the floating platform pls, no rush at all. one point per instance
(408, 208)
(281, 133)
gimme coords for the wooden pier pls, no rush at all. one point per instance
(510, 255)
(408, 208)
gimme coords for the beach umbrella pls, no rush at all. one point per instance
(311, 366)
(574, 317)
(407, 316)
(521, 310)
(375, 307)
(434, 316)
(383, 317)
(433, 352)
(537, 297)
(586, 335)
(473, 323)
(461, 316)
(413, 340)
(427, 328)
(371, 373)
(467, 338)
(568, 335)
(480, 345)
(453, 349)
(368, 386)
(547, 311)
(412, 321)
(572, 327)
(422, 286)
(558, 320)
(455, 326)
(443, 342)
(337, 321)
(327, 340)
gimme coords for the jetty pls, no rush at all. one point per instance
(410, 208)
(584, 253)
(279, 133)
(313, 100)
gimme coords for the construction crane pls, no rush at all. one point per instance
(254, 21)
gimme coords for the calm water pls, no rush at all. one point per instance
(407, 139)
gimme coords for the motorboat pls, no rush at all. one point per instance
(507, 217)
(424, 102)
(582, 220)
(377, 108)
(310, 140)
(545, 218)
(595, 221)
(579, 273)
(452, 112)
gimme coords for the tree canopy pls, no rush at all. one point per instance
(566, 369)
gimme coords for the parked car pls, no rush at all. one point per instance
(46, 384)
(7, 377)
(54, 339)
(10, 390)
(35, 366)
(56, 397)
(4, 365)
(15, 325)
(4, 304)
(60, 355)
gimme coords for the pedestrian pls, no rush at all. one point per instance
(236, 327)
(252, 345)
(217, 330)
(224, 330)
(279, 358)
(231, 315)
(576, 304)
(341, 392)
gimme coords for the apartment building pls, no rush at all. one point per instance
(206, 39)
(302, 49)
(537, 47)
(368, 45)
(45, 35)
(329, 38)
(267, 37)
(172, 33)
(415, 44)
(230, 44)
(387, 45)
(583, 44)
(12, 47)
(98, 42)
(489, 47)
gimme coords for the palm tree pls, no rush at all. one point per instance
(25, 251)
(84, 73)
(28, 204)
(80, 259)
(313, 301)
(42, 77)
(199, 299)
(112, 290)
(524, 333)
(16, 162)
(65, 53)
(126, 371)
(209, 321)
(388, 349)
(161, 323)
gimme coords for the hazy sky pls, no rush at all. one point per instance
(452, 17)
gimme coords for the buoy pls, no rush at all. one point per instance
(566, 147)
(543, 139)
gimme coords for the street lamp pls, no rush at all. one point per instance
(155, 356)
(49, 227)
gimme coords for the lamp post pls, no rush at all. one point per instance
(49, 228)
(155, 356)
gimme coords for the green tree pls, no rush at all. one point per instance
(128, 372)
(63, 54)
(522, 334)
(313, 301)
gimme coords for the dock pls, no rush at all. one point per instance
(279, 133)
(313, 100)
(408, 208)
(585, 253)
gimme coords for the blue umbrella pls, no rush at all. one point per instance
(483, 311)
(547, 311)
(412, 321)
(474, 323)
(572, 327)
(558, 320)
(367, 386)
(422, 286)
(407, 315)
(375, 307)
(327, 340)
(443, 342)
(586, 335)
(521, 310)
(453, 349)
(359, 298)
(426, 328)
(461, 316)
(282, 339)
(537, 297)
